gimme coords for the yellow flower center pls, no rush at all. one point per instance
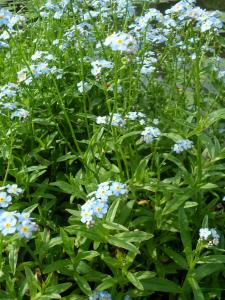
(25, 229)
(120, 41)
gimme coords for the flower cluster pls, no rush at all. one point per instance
(9, 90)
(209, 235)
(8, 19)
(37, 70)
(9, 191)
(121, 41)
(98, 65)
(147, 63)
(185, 12)
(20, 113)
(97, 204)
(103, 8)
(56, 9)
(42, 55)
(11, 222)
(150, 134)
(117, 120)
(103, 295)
(182, 145)
(83, 86)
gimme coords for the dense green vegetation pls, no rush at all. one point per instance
(112, 151)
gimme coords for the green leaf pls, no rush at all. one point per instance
(107, 283)
(13, 256)
(175, 203)
(196, 289)
(176, 257)
(5, 296)
(211, 259)
(114, 226)
(66, 157)
(207, 269)
(160, 285)
(176, 161)
(173, 136)
(216, 116)
(68, 243)
(122, 244)
(59, 288)
(57, 266)
(134, 280)
(83, 284)
(134, 236)
(189, 204)
(205, 222)
(32, 282)
(208, 186)
(95, 233)
(127, 135)
(140, 170)
(31, 208)
(88, 255)
(111, 214)
(185, 234)
(68, 188)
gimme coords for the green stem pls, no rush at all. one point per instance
(62, 105)
(198, 106)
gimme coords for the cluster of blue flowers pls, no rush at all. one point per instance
(121, 41)
(97, 204)
(118, 120)
(8, 19)
(100, 64)
(10, 91)
(210, 236)
(7, 23)
(36, 70)
(56, 10)
(104, 295)
(11, 222)
(186, 12)
(182, 145)
(103, 9)
(150, 134)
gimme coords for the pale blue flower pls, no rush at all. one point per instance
(182, 145)
(150, 134)
(121, 41)
(209, 235)
(5, 17)
(100, 208)
(118, 188)
(20, 113)
(8, 225)
(14, 189)
(25, 229)
(5, 199)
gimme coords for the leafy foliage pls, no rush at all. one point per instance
(113, 126)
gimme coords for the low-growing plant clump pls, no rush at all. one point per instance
(112, 151)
